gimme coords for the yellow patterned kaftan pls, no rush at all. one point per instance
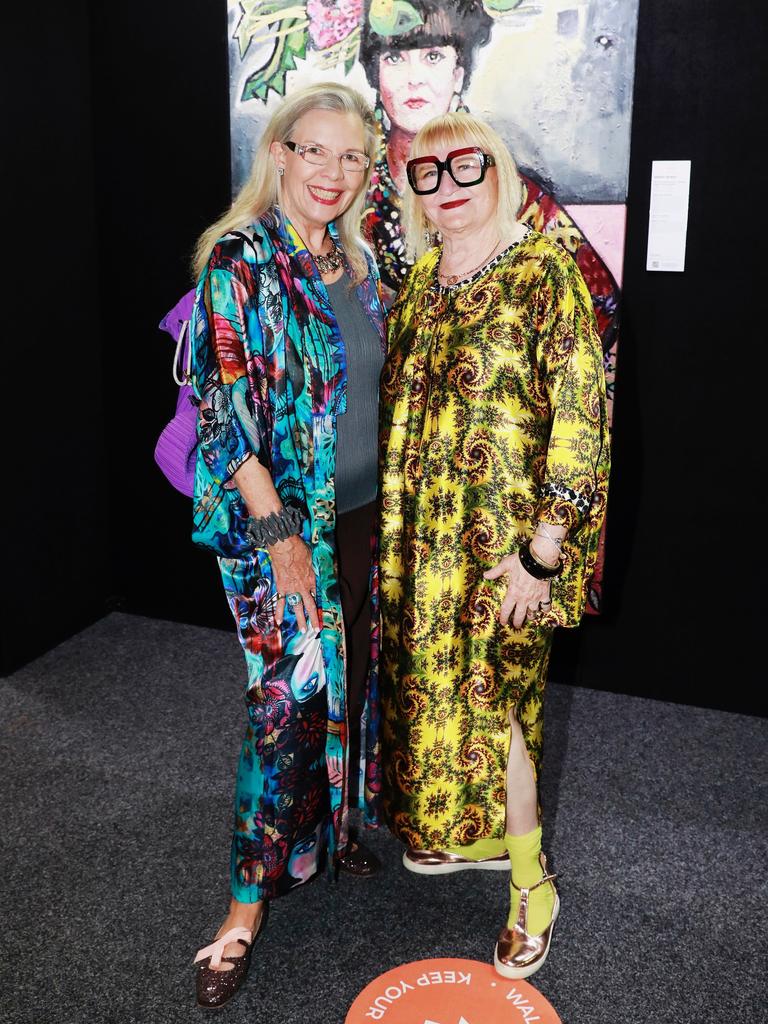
(494, 416)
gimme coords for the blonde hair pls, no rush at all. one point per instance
(261, 192)
(457, 130)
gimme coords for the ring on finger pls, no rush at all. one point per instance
(293, 599)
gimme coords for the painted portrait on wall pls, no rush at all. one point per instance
(554, 77)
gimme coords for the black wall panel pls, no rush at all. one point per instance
(683, 587)
(162, 155)
(54, 569)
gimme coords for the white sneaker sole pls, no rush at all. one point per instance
(450, 869)
(518, 973)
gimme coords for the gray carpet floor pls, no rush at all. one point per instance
(118, 751)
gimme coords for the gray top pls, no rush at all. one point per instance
(357, 430)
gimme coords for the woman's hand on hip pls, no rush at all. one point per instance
(294, 575)
(525, 595)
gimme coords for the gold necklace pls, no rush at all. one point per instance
(329, 262)
(451, 279)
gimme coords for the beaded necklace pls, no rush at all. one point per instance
(330, 262)
(451, 279)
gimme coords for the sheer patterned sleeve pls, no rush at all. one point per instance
(230, 368)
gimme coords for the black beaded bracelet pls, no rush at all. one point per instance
(276, 526)
(535, 568)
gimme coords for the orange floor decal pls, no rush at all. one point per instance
(449, 992)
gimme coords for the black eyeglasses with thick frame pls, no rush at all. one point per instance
(486, 161)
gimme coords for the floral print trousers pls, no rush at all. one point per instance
(282, 809)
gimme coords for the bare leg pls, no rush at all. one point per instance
(523, 839)
(522, 803)
(241, 915)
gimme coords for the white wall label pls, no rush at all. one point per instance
(668, 214)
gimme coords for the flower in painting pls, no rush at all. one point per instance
(330, 21)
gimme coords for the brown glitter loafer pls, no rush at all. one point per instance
(215, 987)
(360, 861)
(518, 954)
(438, 862)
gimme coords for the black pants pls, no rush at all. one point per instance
(353, 544)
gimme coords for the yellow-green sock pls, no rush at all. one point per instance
(481, 849)
(526, 868)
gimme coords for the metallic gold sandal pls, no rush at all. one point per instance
(440, 862)
(518, 954)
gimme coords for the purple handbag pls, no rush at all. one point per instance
(176, 448)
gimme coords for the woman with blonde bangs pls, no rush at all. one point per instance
(441, 130)
(287, 350)
(493, 489)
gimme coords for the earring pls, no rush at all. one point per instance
(457, 104)
(386, 124)
(280, 171)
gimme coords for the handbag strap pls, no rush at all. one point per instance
(182, 357)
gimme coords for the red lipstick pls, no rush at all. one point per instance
(453, 204)
(324, 199)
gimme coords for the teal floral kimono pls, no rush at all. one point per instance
(269, 371)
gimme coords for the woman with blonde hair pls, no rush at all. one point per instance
(494, 479)
(287, 350)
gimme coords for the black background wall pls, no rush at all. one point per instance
(119, 123)
(54, 562)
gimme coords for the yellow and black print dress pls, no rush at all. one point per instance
(493, 406)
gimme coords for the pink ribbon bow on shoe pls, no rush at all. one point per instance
(216, 949)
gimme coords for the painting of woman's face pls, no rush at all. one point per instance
(302, 863)
(416, 85)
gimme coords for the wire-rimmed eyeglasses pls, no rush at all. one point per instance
(320, 156)
(466, 166)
